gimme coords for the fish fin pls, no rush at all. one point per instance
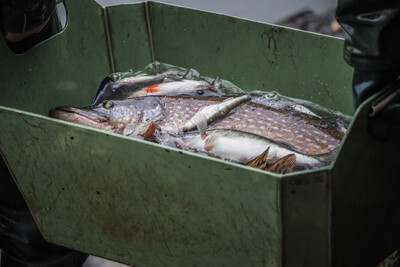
(101, 90)
(283, 165)
(209, 142)
(178, 145)
(149, 134)
(328, 157)
(189, 143)
(128, 129)
(260, 162)
(217, 83)
(216, 86)
(200, 120)
(305, 110)
(152, 88)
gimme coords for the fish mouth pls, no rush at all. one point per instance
(81, 116)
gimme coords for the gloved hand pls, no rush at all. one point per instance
(365, 84)
(27, 23)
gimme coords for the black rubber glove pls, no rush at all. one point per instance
(381, 126)
(24, 15)
(366, 83)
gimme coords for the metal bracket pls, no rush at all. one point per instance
(385, 98)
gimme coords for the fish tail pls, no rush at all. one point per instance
(216, 84)
(327, 158)
(283, 165)
(209, 143)
(260, 162)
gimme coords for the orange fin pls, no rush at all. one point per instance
(260, 162)
(209, 142)
(283, 165)
(149, 133)
(152, 89)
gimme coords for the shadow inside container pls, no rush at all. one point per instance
(57, 22)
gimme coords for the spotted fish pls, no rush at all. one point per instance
(302, 132)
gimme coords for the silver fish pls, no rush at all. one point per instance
(122, 89)
(211, 113)
(303, 109)
(243, 147)
(181, 87)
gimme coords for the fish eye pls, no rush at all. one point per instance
(200, 92)
(108, 104)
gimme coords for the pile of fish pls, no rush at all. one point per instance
(262, 130)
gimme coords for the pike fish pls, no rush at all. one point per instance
(301, 132)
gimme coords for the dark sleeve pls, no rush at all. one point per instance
(24, 15)
(373, 28)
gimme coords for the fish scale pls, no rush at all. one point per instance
(303, 132)
(313, 136)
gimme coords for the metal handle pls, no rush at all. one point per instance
(385, 98)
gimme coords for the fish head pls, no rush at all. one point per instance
(110, 89)
(112, 115)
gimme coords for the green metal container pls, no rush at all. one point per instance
(149, 205)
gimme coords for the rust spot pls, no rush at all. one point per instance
(231, 20)
(272, 35)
